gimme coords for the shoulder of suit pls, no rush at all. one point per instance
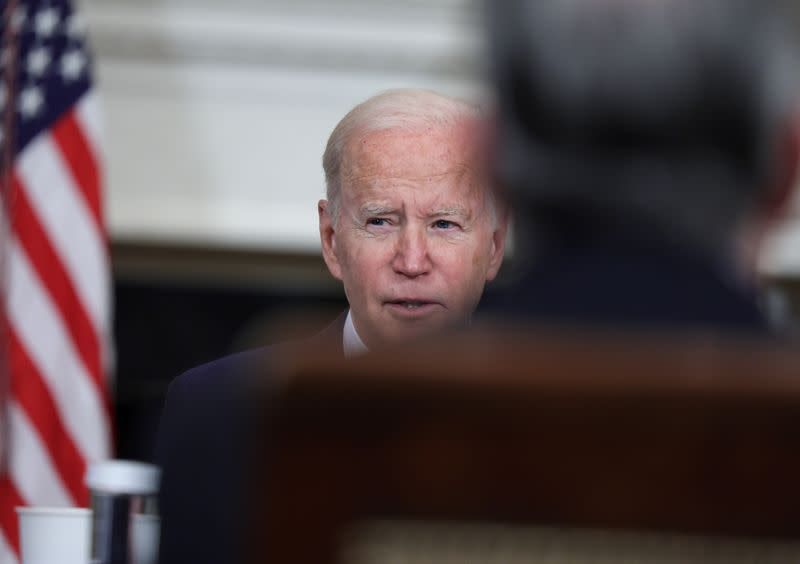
(208, 377)
(216, 375)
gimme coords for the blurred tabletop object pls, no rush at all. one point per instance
(511, 446)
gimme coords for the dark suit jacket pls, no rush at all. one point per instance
(202, 449)
(629, 285)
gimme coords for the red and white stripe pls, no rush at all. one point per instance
(57, 308)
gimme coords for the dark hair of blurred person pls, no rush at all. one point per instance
(646, 146)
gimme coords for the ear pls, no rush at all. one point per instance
(498, 248)
(327, 236)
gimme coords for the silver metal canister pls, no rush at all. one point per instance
(125, 525)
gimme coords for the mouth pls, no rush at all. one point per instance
(413, 308)
(410, 304)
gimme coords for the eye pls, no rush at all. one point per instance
(443, 224)
(376, 221)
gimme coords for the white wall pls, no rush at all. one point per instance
(217, 111)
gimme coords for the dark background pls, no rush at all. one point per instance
(175, 309)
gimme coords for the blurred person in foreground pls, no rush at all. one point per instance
(411, 230)
(647, 146)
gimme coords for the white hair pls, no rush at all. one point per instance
(406, 109)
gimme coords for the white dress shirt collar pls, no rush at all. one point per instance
(351, 342)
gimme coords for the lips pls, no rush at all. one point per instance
(413, 307)
(410, 304)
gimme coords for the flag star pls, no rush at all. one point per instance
(19, 18)
(38, 61)
(76, 27)
(31, 101)
(73, 64)
(47, 20)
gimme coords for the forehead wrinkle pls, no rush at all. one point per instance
(371, 199)
(459, 171)
(375, 175)
(364, 184)
(415, 156)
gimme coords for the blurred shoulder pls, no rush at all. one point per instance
(218, 375)
(217, 371)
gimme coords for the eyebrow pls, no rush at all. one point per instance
(377, 209)
(449, 212)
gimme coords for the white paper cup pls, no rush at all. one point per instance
(51, 535)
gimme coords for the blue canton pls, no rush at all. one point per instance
(52, 65)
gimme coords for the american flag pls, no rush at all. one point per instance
(56, 417)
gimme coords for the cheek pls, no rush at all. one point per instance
(479, 254)
(479, 259)
(465, 266)
(483, 250)
(363, 263)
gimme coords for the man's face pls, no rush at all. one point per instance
(415, 239)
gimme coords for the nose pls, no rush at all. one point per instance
(411, 257)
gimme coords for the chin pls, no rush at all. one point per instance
(411, 332)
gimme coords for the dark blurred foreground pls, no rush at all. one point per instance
(681, 447)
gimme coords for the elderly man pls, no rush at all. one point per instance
(413, 233)
(409, 226)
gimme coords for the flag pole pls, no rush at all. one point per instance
(7, 147)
